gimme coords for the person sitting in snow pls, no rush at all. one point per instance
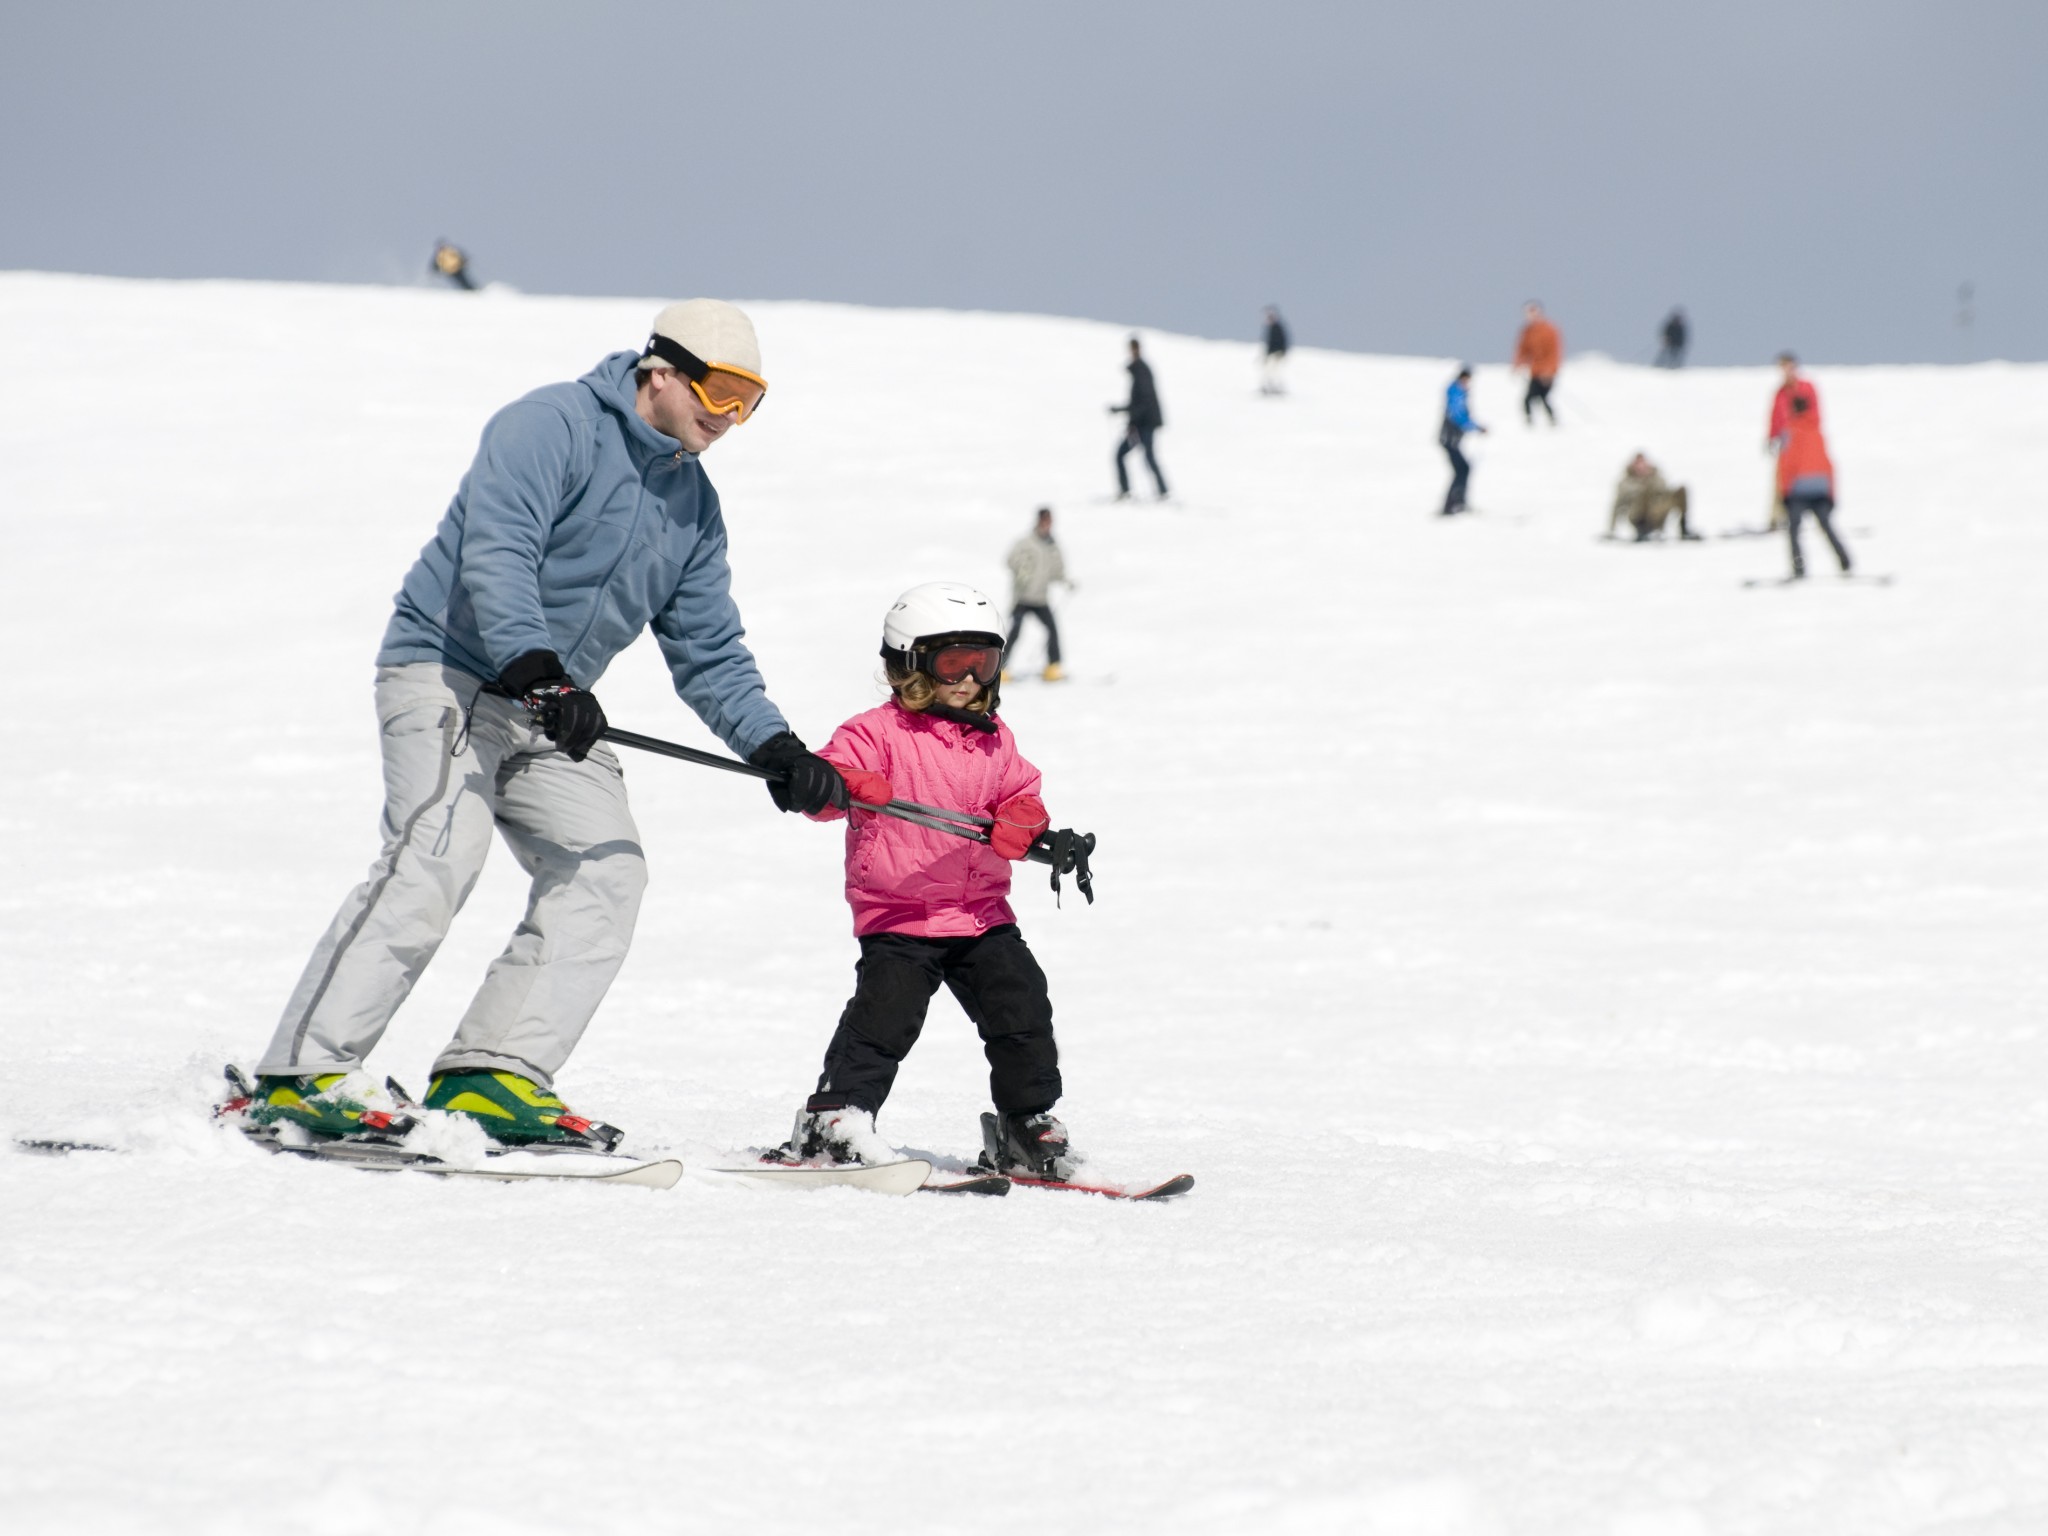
(1646, 503)
(931, 907)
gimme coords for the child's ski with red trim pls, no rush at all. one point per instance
(1179, 1184)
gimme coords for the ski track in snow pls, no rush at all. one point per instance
(1602, 1005)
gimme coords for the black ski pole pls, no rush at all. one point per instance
(1051, 847)
(960, 823)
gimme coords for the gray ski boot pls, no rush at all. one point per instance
(1027, 1147)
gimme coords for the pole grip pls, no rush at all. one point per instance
(1041, 851)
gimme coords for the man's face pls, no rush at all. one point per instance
(1788, 369)
(668, 404)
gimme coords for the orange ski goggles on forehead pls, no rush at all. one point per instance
(723, 387)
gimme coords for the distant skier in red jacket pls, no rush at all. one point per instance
(1793, 388)
(1806, 479)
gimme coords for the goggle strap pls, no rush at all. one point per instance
(688, 363)
(677, 356)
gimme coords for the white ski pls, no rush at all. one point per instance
(898, 1178)
(511, 1165)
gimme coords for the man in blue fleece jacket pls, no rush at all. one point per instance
(585, 518)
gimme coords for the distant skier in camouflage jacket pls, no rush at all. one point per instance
(1035, 564)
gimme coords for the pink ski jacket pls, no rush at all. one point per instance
(903, 878)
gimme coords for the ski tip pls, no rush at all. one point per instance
(1178, 1185)
(664, 1173)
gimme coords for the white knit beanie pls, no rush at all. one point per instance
(714, 330)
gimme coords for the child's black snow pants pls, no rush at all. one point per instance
(998, 984)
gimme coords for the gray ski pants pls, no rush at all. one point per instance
(456, 762)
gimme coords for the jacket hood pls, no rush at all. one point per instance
(615, 381)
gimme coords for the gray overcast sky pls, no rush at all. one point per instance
(1397, 177)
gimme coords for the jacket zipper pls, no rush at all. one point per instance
(632, 537)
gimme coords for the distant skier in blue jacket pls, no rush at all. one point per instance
(1457, 422)
(585, 519)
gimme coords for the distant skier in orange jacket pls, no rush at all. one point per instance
(1540, 350)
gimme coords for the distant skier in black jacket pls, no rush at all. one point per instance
(1672, 354)
(1276, 354)
(1143, 418)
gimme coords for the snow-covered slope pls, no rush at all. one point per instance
(1603, 1005)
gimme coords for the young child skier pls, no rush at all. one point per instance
(929, 907)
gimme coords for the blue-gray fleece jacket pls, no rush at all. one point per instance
(578, 526)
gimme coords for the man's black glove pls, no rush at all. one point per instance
(803, 780)
(568, 716)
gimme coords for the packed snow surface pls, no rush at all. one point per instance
(1602, 1004)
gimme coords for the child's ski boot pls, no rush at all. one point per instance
(838, 1135)
(516, 1111)
(325, 1105)
(1027, 1147)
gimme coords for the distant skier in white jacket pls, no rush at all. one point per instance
(1035, 564)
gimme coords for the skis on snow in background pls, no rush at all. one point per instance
(1852, 578)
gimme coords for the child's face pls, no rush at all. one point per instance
(957, 695)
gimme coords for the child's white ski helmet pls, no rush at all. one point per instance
(939, 612)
